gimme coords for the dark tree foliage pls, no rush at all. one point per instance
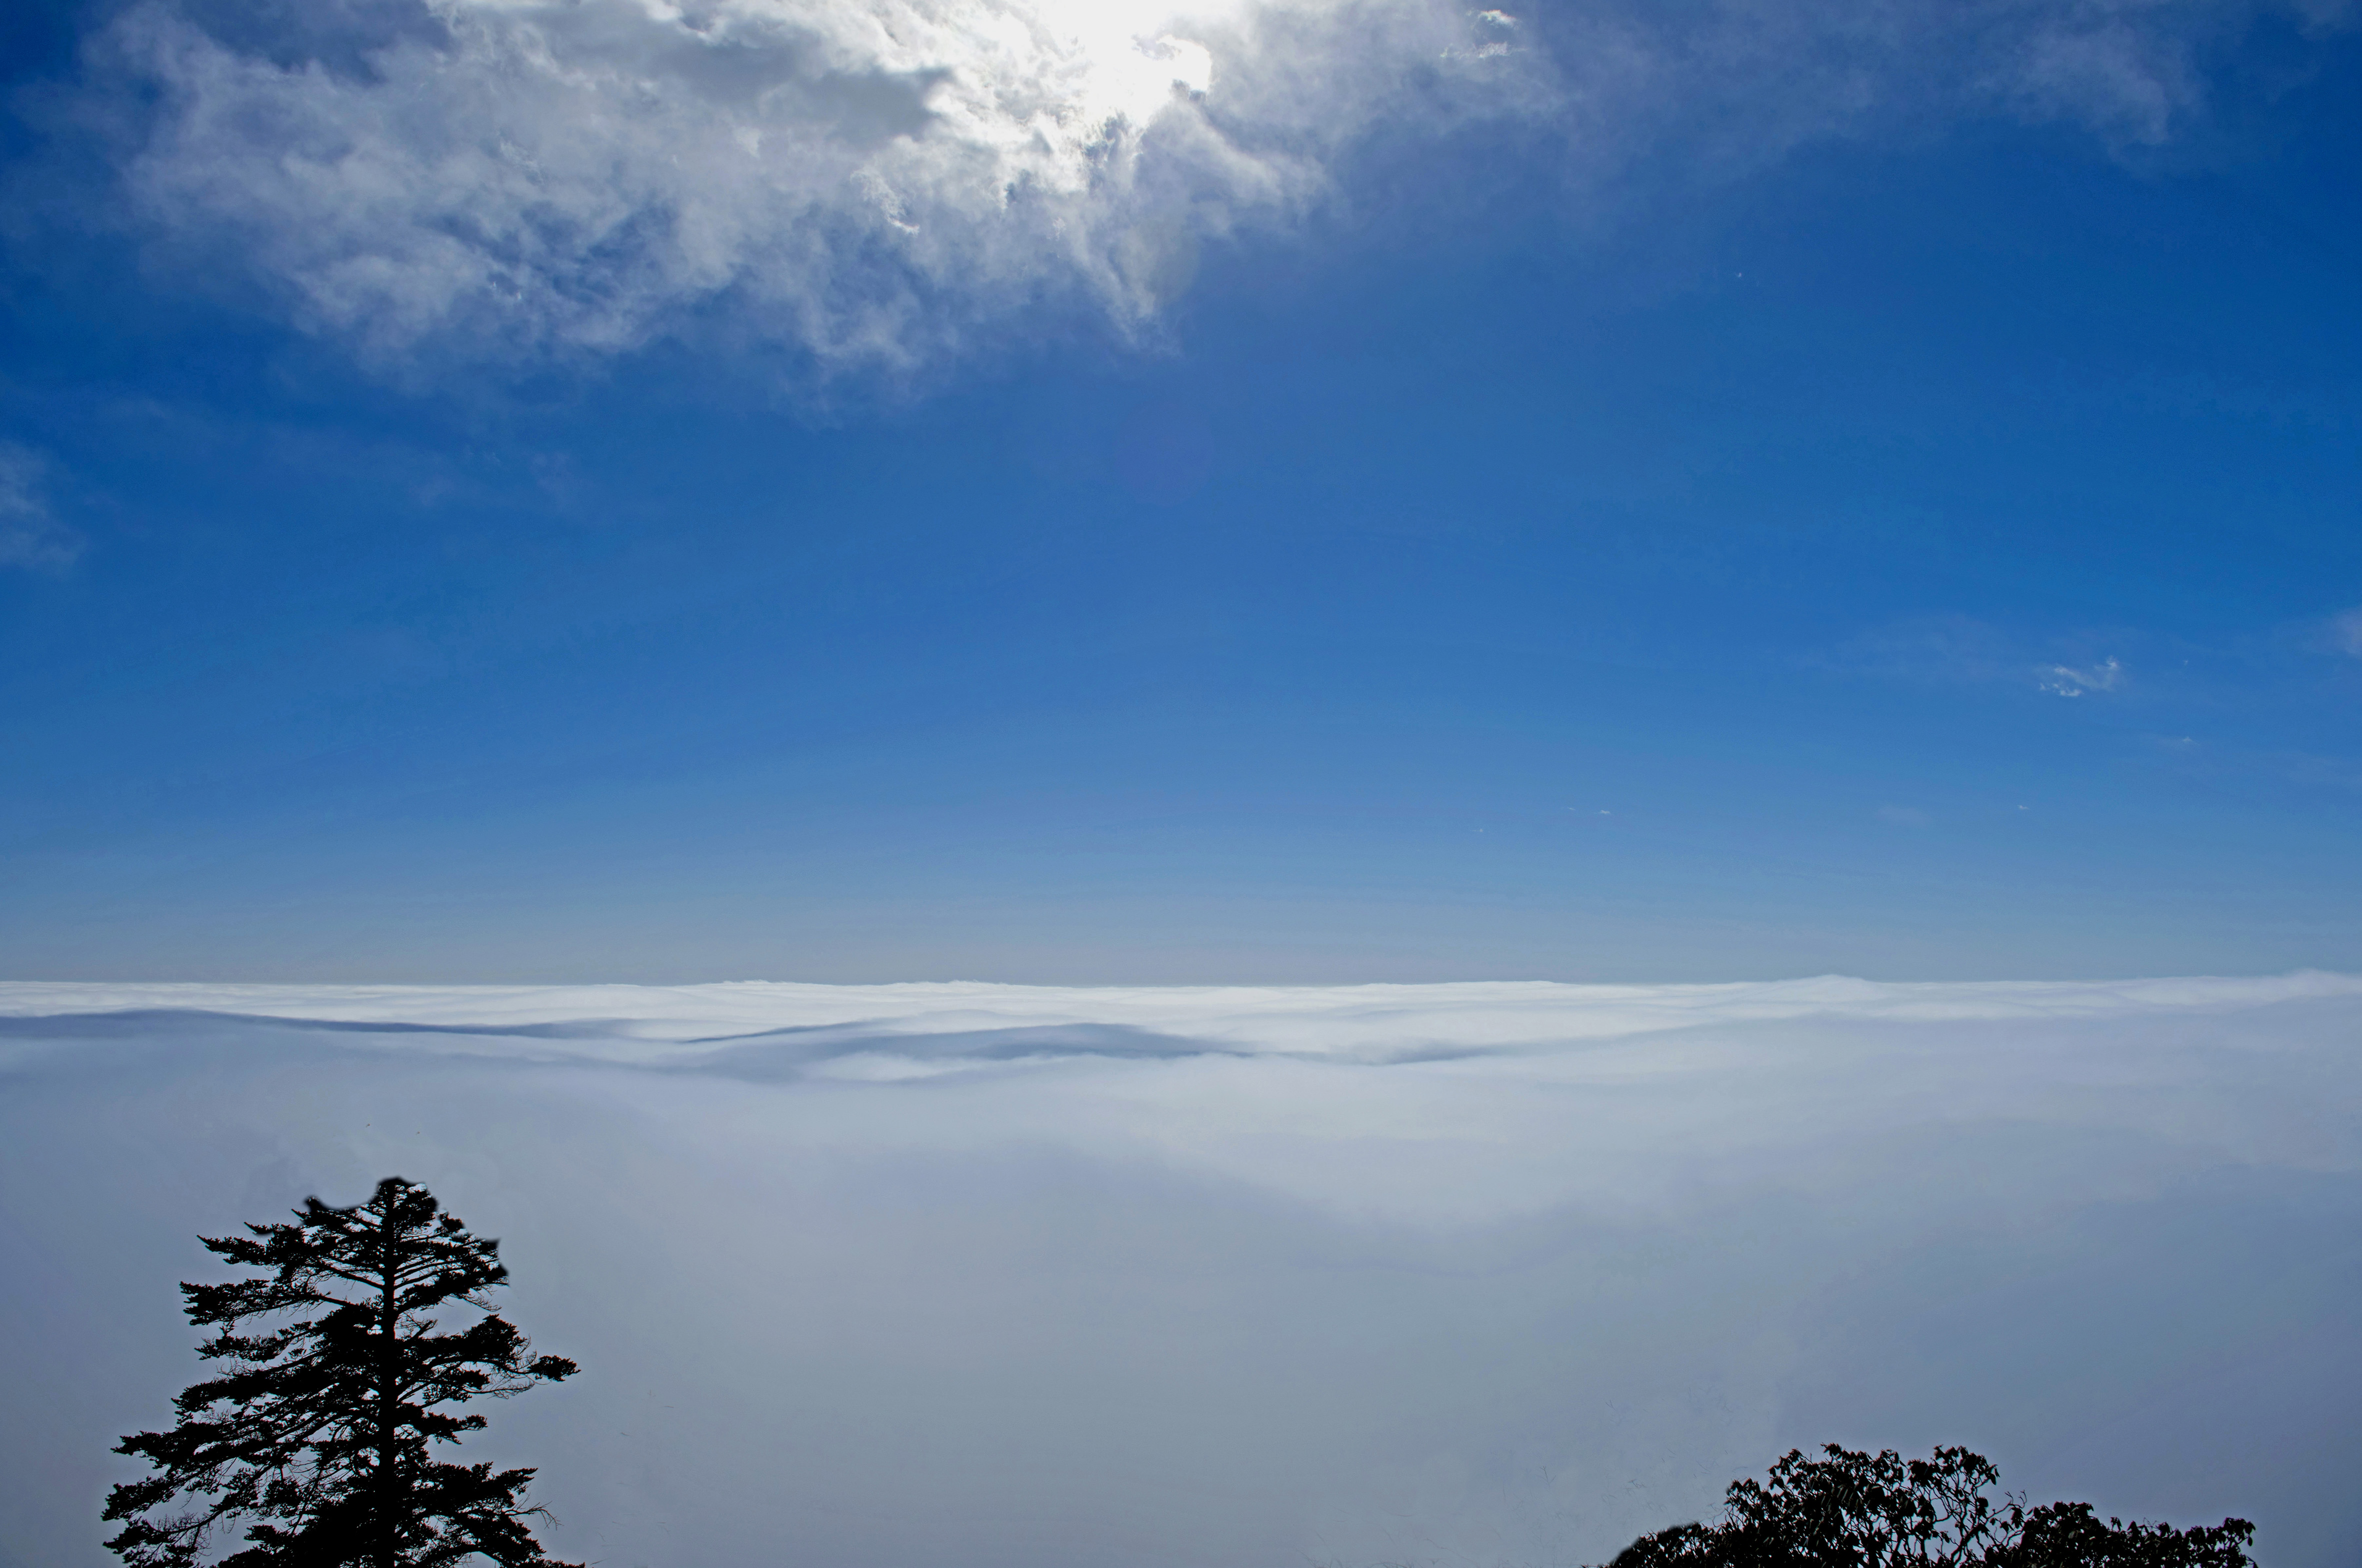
(318, 1433)
(1862, 1510)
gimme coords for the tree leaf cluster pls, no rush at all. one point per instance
(1851, 1509)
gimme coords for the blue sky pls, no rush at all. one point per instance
(1636, 527)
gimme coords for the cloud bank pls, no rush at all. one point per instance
(1485, 1274)
(874, 182)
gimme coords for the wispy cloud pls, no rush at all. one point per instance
(2068, 680)
(1958, 650)
(30, 533)
(877, 181)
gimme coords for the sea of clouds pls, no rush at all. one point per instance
(876, 184)
(1483, 1274)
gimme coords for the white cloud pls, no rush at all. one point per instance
(864, 179)
(875, 182)
(906, 1274)
(30, 534)
(2345, 631)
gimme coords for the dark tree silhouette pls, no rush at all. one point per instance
(319, 1432)
(1861, 1510)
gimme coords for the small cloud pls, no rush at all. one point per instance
(2065, 680)
(31, 536)
(1902, 816)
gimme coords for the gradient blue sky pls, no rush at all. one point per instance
(1914, 547)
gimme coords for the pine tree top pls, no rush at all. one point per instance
(340, 1375)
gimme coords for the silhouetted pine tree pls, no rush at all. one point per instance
(318, 1434)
